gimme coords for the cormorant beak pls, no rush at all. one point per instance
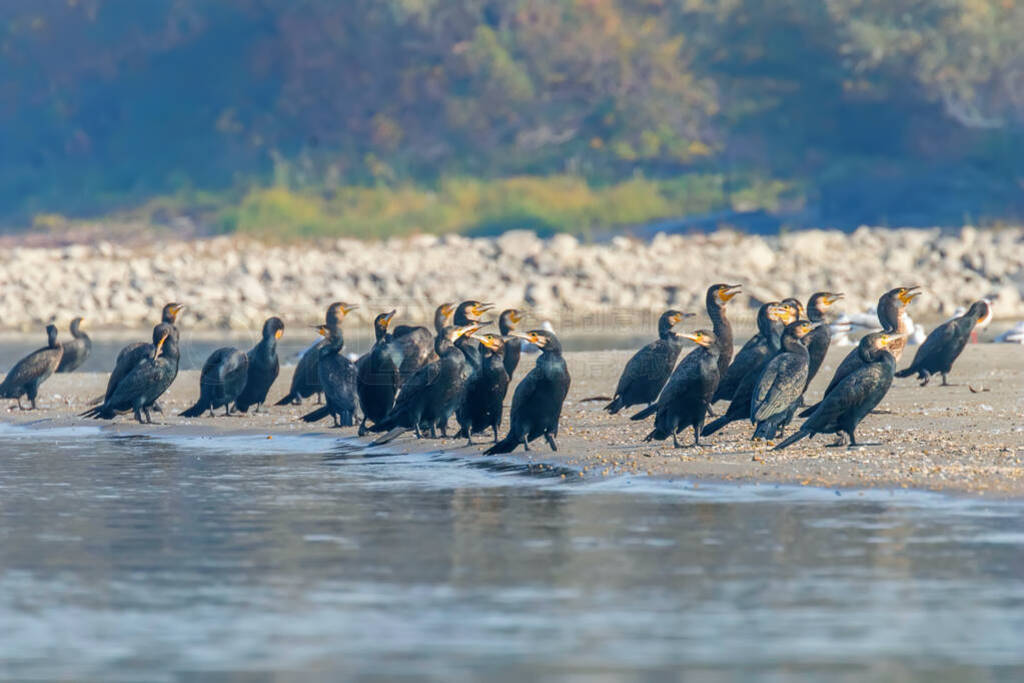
(783, 314)
(159, 347)
(531, 337)
(176, 310)
(680, 317)
(830, 299)
(695, 337)
(322, 329)
(514, 316)
(465, 330)
(348, 308)
(728, 292)
(479, 308)
(987, 318)
(447, 310)
(889, 339)
(908, 294)
(488, 340)
(277, 333)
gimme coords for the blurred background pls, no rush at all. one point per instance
(309, 118)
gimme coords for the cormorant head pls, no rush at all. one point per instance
(337, 311)
(171, 312)
(703, 338)
(381, 322)
(821, 301)
(801, 328)
(981, 311)
(492, 342)
(907, 294)
(470, 311)
(719, 295)
(542, 339)
(670, 319)
(51, 334)
(508, 320)
(796, 306)
(273, 327)
(76, 326)
(784, 313)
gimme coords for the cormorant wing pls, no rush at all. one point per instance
(781, 383)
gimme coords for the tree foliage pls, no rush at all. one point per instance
(108, 102)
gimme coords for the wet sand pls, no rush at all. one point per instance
(940, 438)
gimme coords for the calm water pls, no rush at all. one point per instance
(136, 558)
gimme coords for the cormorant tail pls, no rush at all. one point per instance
(806, 412)
(646, 412)
(615, 406)
(318, 414)
(906, 372)
(713, 426)
(390, 436)
(195, 411)
(98, 413)
(791, 439)
(766, 430)
(506, 445)
(289, 399)
(95, 401)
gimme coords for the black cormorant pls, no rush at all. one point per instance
(131, 355)
(781, 383)
(717, 298)
(772, 319)
(263, 367)
(537, 401)
(221, 381)
(32, 370)
(414, 345)
(647, 371)
(143, 384)
(337, 376)
(485, 391)
(433, 392)
(306, 378)
(77, 350)
(684, 401)
(377, 374)
(507, 322)
(820, 338)
(855, 396)
(891, 307)
(945, 344)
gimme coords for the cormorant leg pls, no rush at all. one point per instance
(944, 382)
(711, 412)
(257, 410)
(675, 441)
(416, 430)
(227, 410)
(212, 414)
(20, 407)
(138, 415)
(840, 441)
(853, 438)
(924, 378)
(149, 416)
(444, 429)
(433, 430)
(495, 428)
(469, 438)
(362, 427)
(696, 434)
(33, 403)
(551, 441)
(526, 444)
(319, 398)
(157, 407)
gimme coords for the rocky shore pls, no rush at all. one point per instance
(229, 283)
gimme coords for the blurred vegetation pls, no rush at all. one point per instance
(377, 117)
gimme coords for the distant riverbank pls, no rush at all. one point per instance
(228, 283)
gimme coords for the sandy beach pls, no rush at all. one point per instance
(967, 438)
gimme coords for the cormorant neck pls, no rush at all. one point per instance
(792, 344)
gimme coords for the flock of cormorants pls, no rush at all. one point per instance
(416, 379)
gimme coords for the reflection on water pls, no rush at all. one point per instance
(151, 559)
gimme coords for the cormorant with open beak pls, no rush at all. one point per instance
(718, 296)
(468, 313)
(537, 401)
(647, 371)
(820, 337)
(945, 344)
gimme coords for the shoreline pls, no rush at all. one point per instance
(945, 439)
